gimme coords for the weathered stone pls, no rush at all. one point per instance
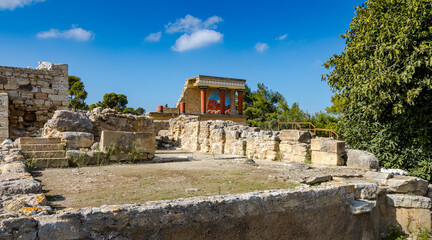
(295, 135)
(362, 206)
(77, 140)
(328, 145)
(327, 158)
(361, 159)
(409, 201)
(394, 171)
(405, 184)
(67, 121)
(13, 167)
(378, 177)
(144, 142)
(317, 179)
(363, 190)
(19, 186)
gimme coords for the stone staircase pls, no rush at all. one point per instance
(43, 152)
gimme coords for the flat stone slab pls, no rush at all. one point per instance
(378, 177)
(408, 201)
(363, 189)
(406, 184)
(362, 206)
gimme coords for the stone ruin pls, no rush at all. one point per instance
(31, 97)
(351, 206)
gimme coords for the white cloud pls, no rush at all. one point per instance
(190, 24)
(197, 33)
(280, 38)
(261, 47)
(153, 37)
(75, 33)
(198, 39)
(12, 4)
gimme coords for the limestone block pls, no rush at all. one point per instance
(406, 184)
(362, 189)
(295, 135)
(361, 159)
(67, 121)
(328, 145)
(58, 98)
(409, 201)
(327, 158)
(77, 140)
(378, 177)
(362, 206)
(145, 142)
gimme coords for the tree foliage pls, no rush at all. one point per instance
(77, 93)
(265, 108)
(119, 103)
(383, 83)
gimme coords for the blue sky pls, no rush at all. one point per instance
(146, 49)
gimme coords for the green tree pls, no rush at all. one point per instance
(112, 100)
(137, 111)
(77, 94)
(384, 77)
(261, 105)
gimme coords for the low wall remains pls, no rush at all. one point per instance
(321, 212)
(227, 137)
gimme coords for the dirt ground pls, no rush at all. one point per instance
(139, 183)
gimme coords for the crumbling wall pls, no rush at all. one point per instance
(276, 214)
(295, 145)
(34, 96)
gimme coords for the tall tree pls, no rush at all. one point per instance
(77, 93)
(384, 82)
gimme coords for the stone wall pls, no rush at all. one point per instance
(34, 95)
(276, 214)
(224, 137)
(227, 137)
(160, 125)
(327, 151)
(4, 116)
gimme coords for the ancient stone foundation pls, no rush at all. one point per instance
(227, 137)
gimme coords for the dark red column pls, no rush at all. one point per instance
(182, 107)
(240, 102)
(203, 100)
(222, 101)
(160, 109)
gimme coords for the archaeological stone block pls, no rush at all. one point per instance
(327, 158)
(361, 159)
(77, 140)
(141, 141)
(295, 136)
(407, 184)
(328, 145)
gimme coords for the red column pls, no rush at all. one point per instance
(203, 100)
(222, 101)
(160, 109)
(240, 102)
(182, 107)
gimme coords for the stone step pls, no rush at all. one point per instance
(44, 154)
(38, 140)
(42, 147)
(48, 163)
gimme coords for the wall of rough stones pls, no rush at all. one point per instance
(226, 137)
(277, 214)
(34, 95)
